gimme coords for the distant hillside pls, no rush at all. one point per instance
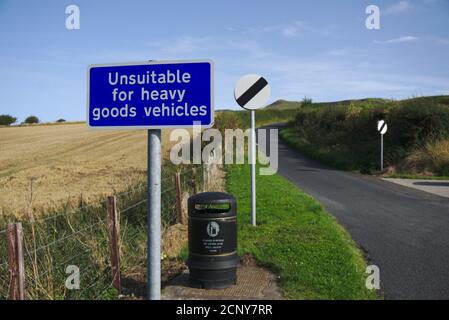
(285, 104)
(431, 99)
(353, 101)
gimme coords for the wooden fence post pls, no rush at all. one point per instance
(114, 240)
(15, 262)
(194, 180)
(179, 198)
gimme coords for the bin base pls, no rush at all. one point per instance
(212, 279)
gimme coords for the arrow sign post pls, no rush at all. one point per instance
(151, 95)
(251, 93)
(382, 128)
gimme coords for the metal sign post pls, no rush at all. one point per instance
(252, 92)
(154, 215)
(253, 167)
(381, 152)
(151, 95)
(382, 128)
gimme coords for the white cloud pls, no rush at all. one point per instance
(440, 40)
(184, 44)
(399, 7)
(291, 29)
(208, 46)
(253, 48)
(398, 40)
(339, 52)
(293, 78)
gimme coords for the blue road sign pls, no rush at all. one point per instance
(150, 95)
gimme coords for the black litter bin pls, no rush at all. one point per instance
(213, 256)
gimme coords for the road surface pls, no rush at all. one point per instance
(405, 232)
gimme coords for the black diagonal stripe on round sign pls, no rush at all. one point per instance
(252, 91)
(382, 127)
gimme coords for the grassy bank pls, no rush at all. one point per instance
(241, 119)
(345, 135)
(297, 239)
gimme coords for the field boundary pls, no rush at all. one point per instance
(30, 259)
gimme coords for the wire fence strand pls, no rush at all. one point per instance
(51, 217)
(133, 206)
(66, 237)
(65, 261)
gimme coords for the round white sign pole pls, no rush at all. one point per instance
(382, 128)
(253, 167)
(252, 92)
(381, 152)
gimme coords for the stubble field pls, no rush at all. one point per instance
(46, 167)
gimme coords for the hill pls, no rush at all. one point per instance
(286, 104)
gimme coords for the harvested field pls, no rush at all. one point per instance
(45, 167)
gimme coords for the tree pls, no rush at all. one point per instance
(306, 102)
(32, 119)
(6, 120)
(60, 120)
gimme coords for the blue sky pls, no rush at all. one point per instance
(319, 49)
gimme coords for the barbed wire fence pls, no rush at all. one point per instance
(83, 237)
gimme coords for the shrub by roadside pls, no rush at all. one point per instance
(430, 158)
(345, 136)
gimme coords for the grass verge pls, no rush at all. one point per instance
(297, 239)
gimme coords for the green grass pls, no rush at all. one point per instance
(297, 239)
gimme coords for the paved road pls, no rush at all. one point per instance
(405, 232)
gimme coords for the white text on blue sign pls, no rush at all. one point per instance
(151, 95)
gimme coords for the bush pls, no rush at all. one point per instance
(7, 120)
(227, 120)
(60, 120)
(433, 157)
(306, 102)
(32, 120)
(345, 135)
